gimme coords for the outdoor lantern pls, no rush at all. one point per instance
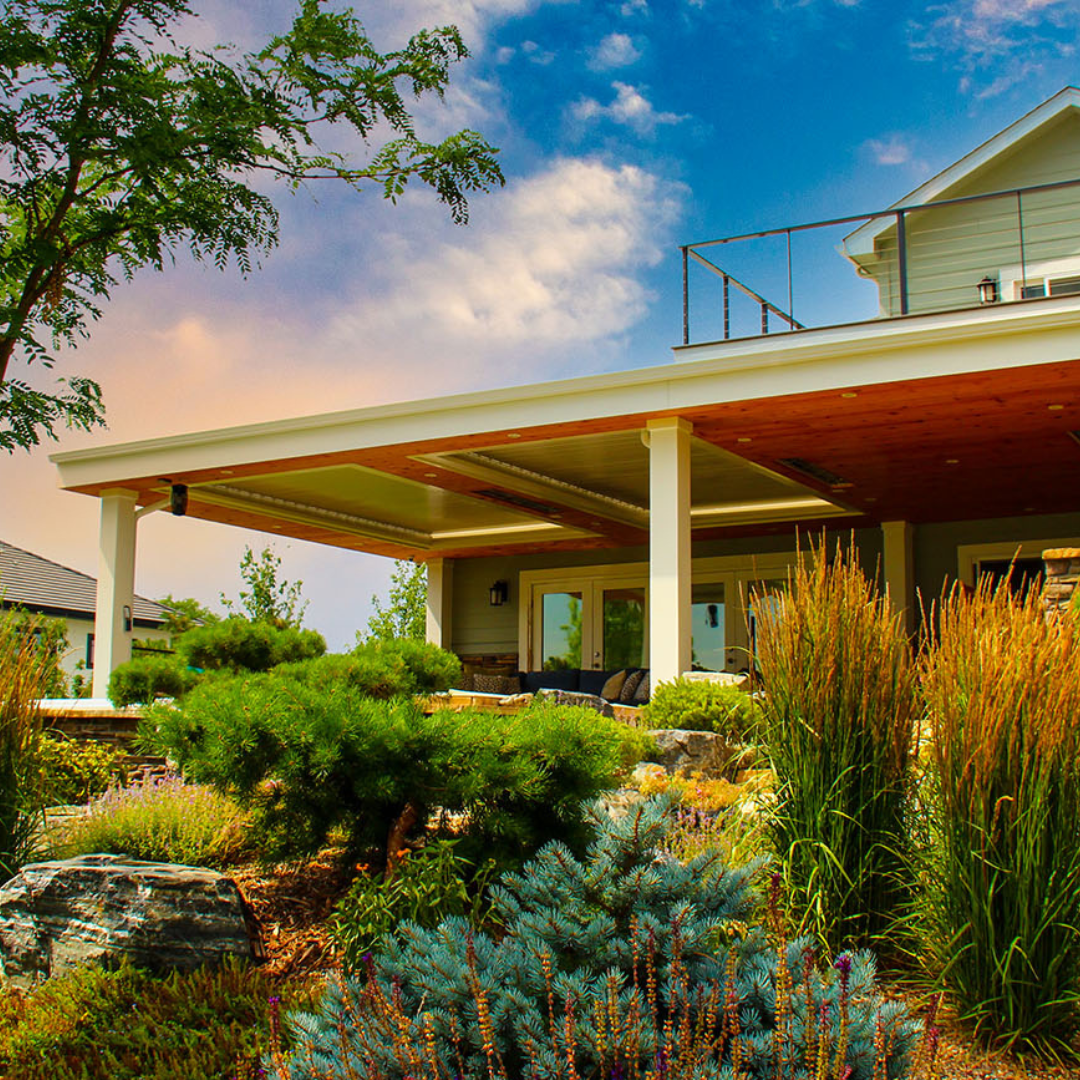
(499, 593)
(127, 618)
(988, 291)
(178, 499)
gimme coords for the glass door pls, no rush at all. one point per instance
(561, 630)
(623, 631)
(708, 625)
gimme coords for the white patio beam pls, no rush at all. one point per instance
(899, 569)
(440, 589)
(669, 547)
(115, 586)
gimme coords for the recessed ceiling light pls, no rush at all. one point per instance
(431, 475)
(871, 498)
(849, 394)
(226, 472)
(513, 435)
(744, 438)
(952, 461)
(1029, 509)
(1055, 408)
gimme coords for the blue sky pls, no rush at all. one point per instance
(627, 127)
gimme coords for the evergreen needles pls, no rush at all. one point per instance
(838, 718)
(1002, 687)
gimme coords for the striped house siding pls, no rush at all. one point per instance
(950, 249)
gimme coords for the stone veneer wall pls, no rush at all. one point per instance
(1062, 577)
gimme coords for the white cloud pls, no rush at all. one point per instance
(630, 108)
(557, 265)
(634, 7)
(890, 150)
(615, 50)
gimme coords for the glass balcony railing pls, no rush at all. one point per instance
(963, 252)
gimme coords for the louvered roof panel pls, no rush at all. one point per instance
(32, 582)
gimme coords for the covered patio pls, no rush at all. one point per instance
(902, 430)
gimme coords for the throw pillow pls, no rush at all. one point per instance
(641, 694)
(629, 687)
(613, 687)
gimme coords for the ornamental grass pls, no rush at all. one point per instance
(839, 718)
(25, 671)
(1002, 881)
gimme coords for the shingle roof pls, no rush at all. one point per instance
(40, 584)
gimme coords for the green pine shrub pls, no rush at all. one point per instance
(129, 1025)
(141, 680)
(427, 886)
(161, 819)
(1002, 873)
(838, 718)
(702, 706)
(618, 965)
(74, 772)
(237, 644)
(383, 669)
(309, 756)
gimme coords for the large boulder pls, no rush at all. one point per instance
(573, 697)
(689, 752)
(55, 916)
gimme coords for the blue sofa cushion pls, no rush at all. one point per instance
(566, 679)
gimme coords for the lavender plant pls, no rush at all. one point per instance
(160, 819)
(626, 964)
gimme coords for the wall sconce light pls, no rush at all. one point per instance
(498, 594)
(988, 291)
(127, 619)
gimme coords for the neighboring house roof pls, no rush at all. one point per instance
(861, 241)
(29, 581)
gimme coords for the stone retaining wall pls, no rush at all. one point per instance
(1062, 576)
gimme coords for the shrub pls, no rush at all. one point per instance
(838, 717)
(129, 1025)
(140, 681)
(308, 756)
(25, 671)
(74, 772)
(160, 820)
(383, 669)
(702, 706)
(235, 644)
(427, 886)
(618, 965)
(1002, 686)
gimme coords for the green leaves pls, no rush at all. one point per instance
(120, 147)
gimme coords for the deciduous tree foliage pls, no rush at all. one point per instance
(120, 145)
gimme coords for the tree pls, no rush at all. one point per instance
(185, 613)
(119, 146)
(405, 615)
(266, 598)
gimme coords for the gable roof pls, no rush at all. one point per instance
(39, 584)
(861, 241)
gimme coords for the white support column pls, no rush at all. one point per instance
(669, 547)
(440, 591)
(899, 569)
(115, 585)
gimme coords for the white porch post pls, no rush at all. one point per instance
(899, 569)
(115, 585)
(440, 589)
(669, 547)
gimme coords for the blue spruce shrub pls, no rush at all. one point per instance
(625, 962)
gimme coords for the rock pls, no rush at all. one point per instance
(55, 916)
(620, 802)
(688, 752)
(647, 770)
(517, 701)
(724, 678)
(572, 697)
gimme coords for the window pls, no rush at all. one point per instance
(974, 560)
(598, 616)
(1058, 277)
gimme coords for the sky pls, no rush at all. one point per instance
(626, 128)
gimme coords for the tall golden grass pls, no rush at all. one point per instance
(1002, 884)
(25, 672)
(839, 717)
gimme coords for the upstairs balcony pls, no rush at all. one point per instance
(977, 250)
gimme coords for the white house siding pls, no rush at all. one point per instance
(78, 630)
(950, 249)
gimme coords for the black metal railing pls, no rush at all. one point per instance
(955, 257)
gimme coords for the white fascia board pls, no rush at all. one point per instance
(915, 346)
(861, 241)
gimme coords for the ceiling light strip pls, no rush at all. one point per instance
(761, 507)
(360, 523)
(455, 534)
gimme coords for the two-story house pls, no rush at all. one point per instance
(619, 519)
